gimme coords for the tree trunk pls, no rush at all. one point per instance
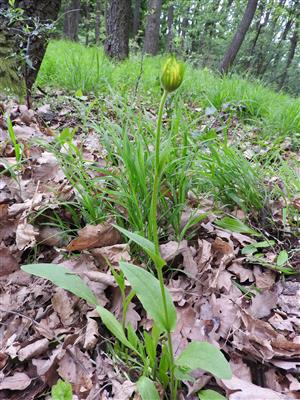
(290, 57)
(87, 22)
(136, 18)
(118, 18)
(183, 28)
(71, 20)
(239, 36)
(151, 45)
(97, 21)
(170, 21)
(34, 45)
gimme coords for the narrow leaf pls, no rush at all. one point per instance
(145, 244)
(114, 326)
(282, 258)
(148, 291)
(210, 395)
(147, 389)
(62, 277)
(235, 225)
(203, 355)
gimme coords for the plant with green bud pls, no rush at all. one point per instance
(152, 352)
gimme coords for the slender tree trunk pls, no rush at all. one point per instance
(71, 20)
(97, 21)
(151, 45)
(239, 36)
(170, 21)
(283, 37)
(183, 29)
(136, 17)
(118, 18)
(262, 67)
(290, 57)
(87, 22)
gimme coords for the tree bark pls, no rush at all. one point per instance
(239, 36)
(136, 22)
(87, 21)
(170, 21)
(118, 18)
(97, 21)
(151, 44)
(34, 45)
(183, 32)
(71, 20)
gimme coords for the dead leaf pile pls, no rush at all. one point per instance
(47, 333)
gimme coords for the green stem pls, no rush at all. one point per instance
(154, 200)
(164, 299)
(154, 234)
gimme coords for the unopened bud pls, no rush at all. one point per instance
(172, 74)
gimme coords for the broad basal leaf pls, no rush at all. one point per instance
(62, 277)
(114, 326)
(210, 395)
(61, 391)
(148, 291)
(147, 389)
(203, 355)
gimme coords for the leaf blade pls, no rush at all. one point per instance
(147, 389)
(62, 277)
(147, 289)
(203, 355)
(145, 244)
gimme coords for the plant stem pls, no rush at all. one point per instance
(154, 200)
(154, 234)
(163, 293)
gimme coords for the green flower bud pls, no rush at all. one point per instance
(172, 74)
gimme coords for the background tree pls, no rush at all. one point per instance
(118, 18)
(28, 33)
(151, 44)
(71, 20)
(239, 36)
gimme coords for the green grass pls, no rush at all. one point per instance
(75, 67)
(199, 159)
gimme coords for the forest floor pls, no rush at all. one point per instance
(68, 168)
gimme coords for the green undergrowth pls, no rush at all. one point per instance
(74, 67)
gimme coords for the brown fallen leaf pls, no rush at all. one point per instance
(93, 236)
(8, 263)
(243, 273)
(76, 367)
(123, 391)
(25, 132)
(63, 303)
(33, 349)
(170, 250)
(221, 247)
(18, 381)
(114, 254)
(240, 369)
(244, 390)
(26, 236)
(50, 236)
(91, 331)
(263, 303)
